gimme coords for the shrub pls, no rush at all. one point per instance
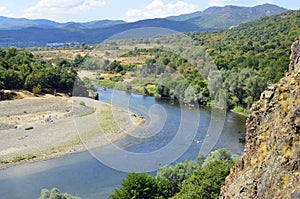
(37, 89)
(29, 128)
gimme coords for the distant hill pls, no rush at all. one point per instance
(7, 23)
(25, 32)
(262, 44)
(34, 36)
(225, 17)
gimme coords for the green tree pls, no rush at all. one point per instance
(114, 67)
(220, 154)
(255, 85)
(12, 79)
(176, 174)
(55, 194)
(138, 186)
(78, 60)
(206, 183)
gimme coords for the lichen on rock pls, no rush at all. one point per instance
(270, 166)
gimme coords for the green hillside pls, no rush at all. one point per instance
(261, 47)
(225, 17)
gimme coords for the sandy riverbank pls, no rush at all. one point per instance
(40, 128)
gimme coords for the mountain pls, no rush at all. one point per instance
(270, 165)
(225, 17)
(34, 36)
(25, 32)
(91, 25)
(7, 23)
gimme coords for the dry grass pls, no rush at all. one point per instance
(59, 54)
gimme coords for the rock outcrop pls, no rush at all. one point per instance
(270, 166)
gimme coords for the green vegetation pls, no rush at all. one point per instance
(22, 158)
(163, 73)
(19, 69)
(228, 68)
(89, 112)
(202, 178)
(251, 55)
(37, 89)
(55, 194)
(29, 128)
(206, 183)
(233, 15)
(225, 17)
(140, 186)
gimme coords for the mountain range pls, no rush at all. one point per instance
(25, 32)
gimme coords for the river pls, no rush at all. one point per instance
(89, 175)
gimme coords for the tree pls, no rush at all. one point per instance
(206, 183)
(176, 174)
(114, 67)
(139, 186)
(55, 194)
(78, 60)
(12, 79)
(215, 83)
(220, 154)
(163, 90)
(255, 85)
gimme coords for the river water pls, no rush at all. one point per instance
(180, 132)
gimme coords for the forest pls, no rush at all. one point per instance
(20, 69)
(225, 68)
(252, 55)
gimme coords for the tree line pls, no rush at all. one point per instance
(202, 178)
(20, 69)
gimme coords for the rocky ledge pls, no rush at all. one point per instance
(270, 166)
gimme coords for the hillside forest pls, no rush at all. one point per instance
(225, 68)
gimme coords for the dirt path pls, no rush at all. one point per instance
(57, 126)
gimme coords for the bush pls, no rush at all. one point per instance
(240, 109)
(139, 186)
(37, 90)
(82, 103)
(29, 128)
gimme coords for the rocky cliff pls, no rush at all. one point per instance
(270, 166)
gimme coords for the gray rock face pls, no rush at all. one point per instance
(270, 166)
(295, 56)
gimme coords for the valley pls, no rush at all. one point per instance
(198, 105)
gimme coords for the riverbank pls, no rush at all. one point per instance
(40, 128)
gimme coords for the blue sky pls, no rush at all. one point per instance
(131, 10)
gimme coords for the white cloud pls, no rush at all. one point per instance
(222, 2)
(159, 9)
(259, 2)
(54, 8)
(5, 11)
